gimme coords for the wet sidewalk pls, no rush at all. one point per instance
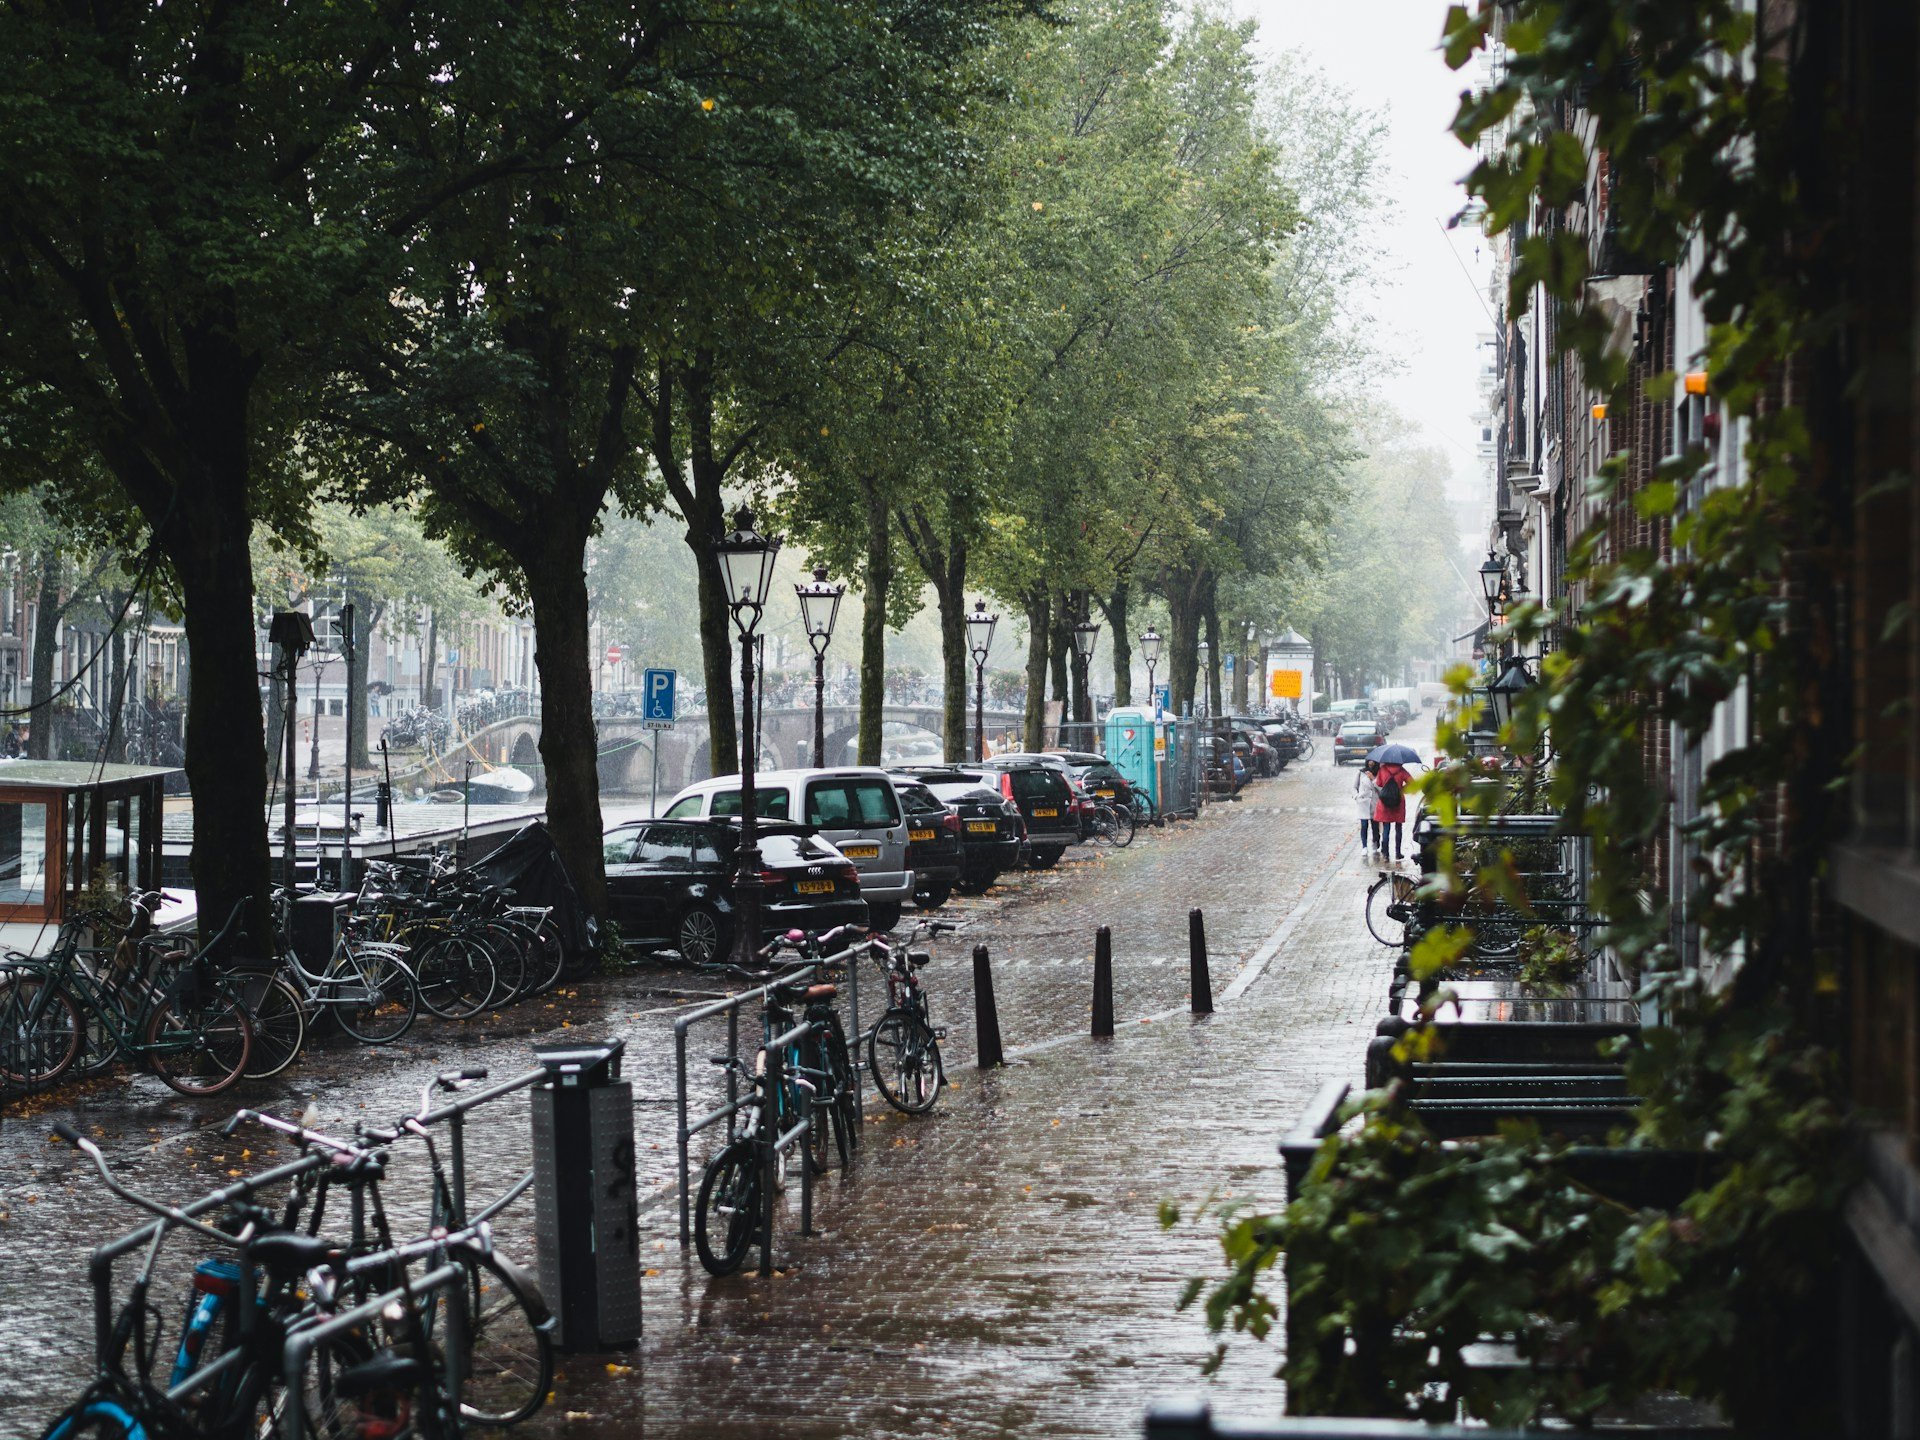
(994, 1268)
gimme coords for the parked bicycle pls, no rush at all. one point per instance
(903, 1048)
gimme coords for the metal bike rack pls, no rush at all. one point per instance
(303, 1341)
(685, 1130)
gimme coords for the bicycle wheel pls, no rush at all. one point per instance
(343, 1401)
(726, 1218)
(1389, 892)
(96, 1419)
(381, 996)
(905, 1060)
(1123, 825)
(455, 976)
(509, 946)
(846, 1114)
(40, 1029)
(546, 958)
(199, 1049)
(279, 1017)
(509, 1343)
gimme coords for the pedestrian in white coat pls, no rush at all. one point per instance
(1366, 794)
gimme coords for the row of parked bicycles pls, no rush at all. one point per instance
(303, 1311)
(112, 988)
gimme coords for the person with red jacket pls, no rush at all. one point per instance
(1392, 781)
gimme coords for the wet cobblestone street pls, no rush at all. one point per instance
(995, 1268)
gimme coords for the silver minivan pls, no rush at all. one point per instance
(855, 809)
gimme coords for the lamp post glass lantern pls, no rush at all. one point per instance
(1085, 636)
(1150, 652)
(819, 607)
(1493, 575)
(1501, 694)
(1206, 678)
(980, 626)
(746, 569)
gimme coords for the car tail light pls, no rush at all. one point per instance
(849, 874)
(951, 824)
(1006, 783)
(771, 878)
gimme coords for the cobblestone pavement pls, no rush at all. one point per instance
(994, 1268)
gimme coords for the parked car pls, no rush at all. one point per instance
(991, 828)
(934, 850)
(670, 883)
(1044, 791)
(1354, 739)
(1285, 740)
(1250, 738)
(855, 809)
(1103, 781)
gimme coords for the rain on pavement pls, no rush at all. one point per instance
(994, 1268)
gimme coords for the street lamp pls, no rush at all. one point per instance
(1085, 636)
(980, 640)
(1206, 679)
(1510, 684)
(819, 605)
(1493, 575)
(746, 569)
(1150, 652)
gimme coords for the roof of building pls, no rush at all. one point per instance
(77, 774)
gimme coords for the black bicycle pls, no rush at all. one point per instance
(903, 1048)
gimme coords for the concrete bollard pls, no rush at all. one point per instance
(986, 1018)
(1103, 981)
(1199, 980)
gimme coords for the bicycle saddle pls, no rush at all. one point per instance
(288, 1254)
(917, 958)
(385, 1371)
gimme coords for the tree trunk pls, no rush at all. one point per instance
(955, 660)
(226, 744)
(1212, 678)
(1039, 609)
(430, 663)
(1115, 606)
(1185, 593)
(1060, 653)
(569, 746)
(46, 646)
(114, 750)
(366, 614)
(873, 622)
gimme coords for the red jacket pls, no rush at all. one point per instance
(1381, 811)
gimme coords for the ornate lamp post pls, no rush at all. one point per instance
(1085, 636)
(980, 640)
(746, 570)
(1493, 575)
(1206, 679)
(1150, 652)
(819, 606)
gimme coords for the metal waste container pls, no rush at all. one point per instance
(586, 1208)
(314, 926)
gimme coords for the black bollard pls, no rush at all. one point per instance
(1103, 981)
(986, 1019)
(1199, 980)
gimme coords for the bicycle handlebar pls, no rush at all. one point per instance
(346, 1150)
(146, 1202)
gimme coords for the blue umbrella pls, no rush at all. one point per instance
(1395, 754)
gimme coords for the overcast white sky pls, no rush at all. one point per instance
(1384, 53)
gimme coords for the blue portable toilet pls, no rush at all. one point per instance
(1130, 737)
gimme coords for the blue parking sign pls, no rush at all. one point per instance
(657, 694)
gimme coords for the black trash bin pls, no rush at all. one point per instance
(585, 1202)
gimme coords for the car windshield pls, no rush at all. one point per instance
(852, 804)
(1356, 732)
(767, 804)
(964, 790)
(919, 800)
(795, 850)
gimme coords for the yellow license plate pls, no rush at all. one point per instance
(1104, 794)
(860, 852)
(813, 887)
(1047, 814)
(981, 827)
(921, 834)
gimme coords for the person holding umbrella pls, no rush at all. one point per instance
(1391, 808)
(1366, 795)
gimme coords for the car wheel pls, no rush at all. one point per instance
(933, 897)
(883, 917)
(702, 936)
(1045, 857)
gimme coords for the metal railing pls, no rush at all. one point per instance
(1193, 1420)
(685, 1129)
